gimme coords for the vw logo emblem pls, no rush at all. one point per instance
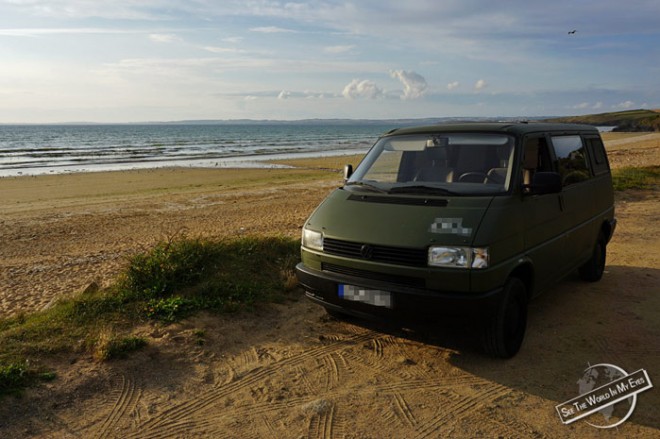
(367, 251)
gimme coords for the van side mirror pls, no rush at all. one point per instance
(546, 183)
(348, 171)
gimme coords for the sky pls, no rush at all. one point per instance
(171, 60)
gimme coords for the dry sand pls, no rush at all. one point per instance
(289, 371)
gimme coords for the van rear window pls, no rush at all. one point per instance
(599, 158)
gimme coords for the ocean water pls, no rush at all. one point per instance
(43, 149)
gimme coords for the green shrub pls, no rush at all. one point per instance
(169, 266)
(169, 309)
(177, 278)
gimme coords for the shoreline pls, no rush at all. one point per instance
(250, 161)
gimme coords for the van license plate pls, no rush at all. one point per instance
(364, 295)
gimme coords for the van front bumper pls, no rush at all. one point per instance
(407, 303)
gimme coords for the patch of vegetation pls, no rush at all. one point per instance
(110, 347)
(180, 278)
(199, 335)
(173, 280)
(16, 376)
(169, 309)
(636, 178)
(167, 267)
(631, 120)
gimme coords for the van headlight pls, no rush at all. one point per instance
(312, 240)
(458, 257)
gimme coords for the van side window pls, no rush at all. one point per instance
(536, 158)
(598, 156)
(571, 159)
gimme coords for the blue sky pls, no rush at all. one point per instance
(164, 60)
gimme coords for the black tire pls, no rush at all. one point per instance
(505, 331)
(592, 270)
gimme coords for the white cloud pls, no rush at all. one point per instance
(233, 40)
(271, 30)
(453, 85)
(480, 85)
(284, 95)
(164, 38)
(78, 9)
(338, 49)
(587, 106)
(414, 84)
(362, 89)
(35, 32)
(582, 106)
(215, 49)
(625, 105)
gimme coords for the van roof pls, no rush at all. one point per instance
(515, 128)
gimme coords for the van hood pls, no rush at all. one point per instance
(399, 220)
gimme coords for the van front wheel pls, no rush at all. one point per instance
(505, 331)
(593, 269)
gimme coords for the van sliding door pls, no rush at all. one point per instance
(544, 215)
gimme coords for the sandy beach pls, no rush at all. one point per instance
(292, 371)
(60, 233)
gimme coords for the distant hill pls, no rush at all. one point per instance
(632, 120)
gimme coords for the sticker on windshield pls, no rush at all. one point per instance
(450, 226)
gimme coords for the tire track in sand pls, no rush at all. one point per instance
(513, 428)
(126, 402)
(463, 407)
(177, 418)
(402, 410)
(323, 425)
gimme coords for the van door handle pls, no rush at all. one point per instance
(561, 202)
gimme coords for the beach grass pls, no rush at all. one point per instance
(171, 281)
(636, 178)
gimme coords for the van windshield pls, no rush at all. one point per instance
(447, 163)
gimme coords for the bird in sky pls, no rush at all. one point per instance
(572, 32)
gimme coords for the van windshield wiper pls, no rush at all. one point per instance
(420, 189)
(365, 185)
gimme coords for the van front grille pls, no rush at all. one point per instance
(378, 253)
(372, 275)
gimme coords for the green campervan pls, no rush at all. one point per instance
(469, 220)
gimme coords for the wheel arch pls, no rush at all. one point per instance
(607, 230)
(525, 272)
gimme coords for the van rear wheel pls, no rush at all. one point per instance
(592, 270)
(505, 331)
